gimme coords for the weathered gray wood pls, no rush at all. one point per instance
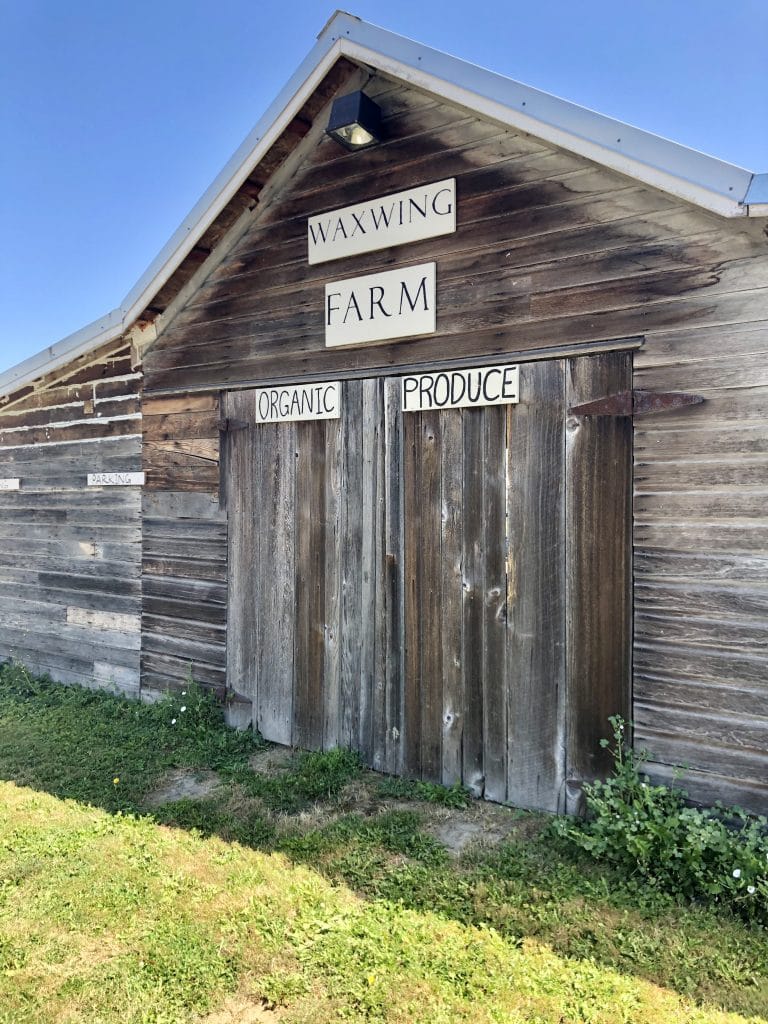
(598, 545)
(494, 600)
(739, 600)
(376, 742)
(451, 502)
(335, 438)
(275, 595)
(705, 748)
(69, 556)
(412, 571)
(371, 487)
(351, 568)
(700, 567)
(241, 641)
(535, 590)
(394, 626)
(309, 640)
(699, 785)
(472, 602)
(429, 520)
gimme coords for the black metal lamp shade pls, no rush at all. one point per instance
(355, 121)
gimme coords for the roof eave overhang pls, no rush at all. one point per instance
(696, 177)
(707, 182)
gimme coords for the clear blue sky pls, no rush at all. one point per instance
(117, 114)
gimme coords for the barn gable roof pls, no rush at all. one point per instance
(705, 181)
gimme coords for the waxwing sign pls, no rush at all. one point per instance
(410, 216)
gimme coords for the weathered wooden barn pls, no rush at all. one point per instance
(497, 521)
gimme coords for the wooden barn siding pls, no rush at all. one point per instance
(70, 555)
(184, 546)
(552, 253)
(701, 563)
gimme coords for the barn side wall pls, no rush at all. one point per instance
(184, 557)
(701, 556)
(70, 555)
(553, 255)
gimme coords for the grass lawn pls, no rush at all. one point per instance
(305, 889)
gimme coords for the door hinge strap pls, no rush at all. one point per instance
(635, 403)
(227, 426)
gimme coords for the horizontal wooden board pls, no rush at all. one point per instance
(70, 556)
(706, 788)
(692, 505)
(699, 567)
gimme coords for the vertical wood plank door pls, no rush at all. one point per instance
(446, 592)
(484, 525)
(314, 588)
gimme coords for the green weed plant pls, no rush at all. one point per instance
(712, 855)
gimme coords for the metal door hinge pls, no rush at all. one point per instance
(635, 403)
(227, 426)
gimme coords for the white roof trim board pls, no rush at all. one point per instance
(713, 184)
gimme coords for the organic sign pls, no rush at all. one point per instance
(298, 402)
(378, 307)
(461, 389)
(115, 479)
(423, 212)
(10, 484)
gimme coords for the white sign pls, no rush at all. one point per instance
(115, 479)
(10, 484)
(380, 307)
(460, 389)
(298, 402)
(423, 212)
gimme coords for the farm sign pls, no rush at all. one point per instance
(380, 307)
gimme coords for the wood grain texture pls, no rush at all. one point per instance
(598, 546)
(70, 555)
(536, 596)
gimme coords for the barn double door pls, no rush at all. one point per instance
(446, 592)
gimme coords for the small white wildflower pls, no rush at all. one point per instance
(751, 890)
(183, 693)
(173, 721)
(184, 707)
(644, 785)
(737, 872)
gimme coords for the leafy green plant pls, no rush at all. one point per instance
(716, 854)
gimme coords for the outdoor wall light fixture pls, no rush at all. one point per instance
(355, 121)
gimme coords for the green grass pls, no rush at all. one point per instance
(309, 893)
(74, 742)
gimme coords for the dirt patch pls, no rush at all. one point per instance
(457, 829)
(183, 784)
(271, 761)
(240, 1011)
(479, 824)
